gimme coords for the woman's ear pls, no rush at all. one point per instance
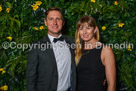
(96, 28)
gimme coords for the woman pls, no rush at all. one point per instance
(95, 62)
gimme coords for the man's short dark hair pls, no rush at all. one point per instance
(53, 9)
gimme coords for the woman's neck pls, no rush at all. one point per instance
(91, 44)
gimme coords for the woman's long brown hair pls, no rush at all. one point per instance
(79, 42)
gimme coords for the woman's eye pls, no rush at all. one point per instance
(88, 27)
(80, 28)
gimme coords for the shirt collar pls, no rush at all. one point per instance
(52, 37)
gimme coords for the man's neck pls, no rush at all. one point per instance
(55, 35)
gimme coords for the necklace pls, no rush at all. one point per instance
(86, 52)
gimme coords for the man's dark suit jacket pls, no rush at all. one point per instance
(41, 74)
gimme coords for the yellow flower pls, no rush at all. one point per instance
(129, 48)
(121, 24)
(103, 28)
(115, 2)
(93, 1)
(38, 3)
(10, 38)
(35, 7)
(1, 69)
(8, 10)
(0, 8)
(41, 27)
(35, 28)
(5, 88)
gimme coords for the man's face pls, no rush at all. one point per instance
(54, 22)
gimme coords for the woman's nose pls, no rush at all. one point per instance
(84, 31)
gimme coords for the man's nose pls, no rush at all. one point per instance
(54, 21)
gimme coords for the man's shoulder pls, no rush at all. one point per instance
(70, 39)
(41, 40)
(40, 44)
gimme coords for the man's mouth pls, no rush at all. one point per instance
(55, 27)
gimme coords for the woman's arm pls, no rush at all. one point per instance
(110, 68)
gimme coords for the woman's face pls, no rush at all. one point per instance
(86, 32)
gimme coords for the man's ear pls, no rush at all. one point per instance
(63, 22)
(45, 22)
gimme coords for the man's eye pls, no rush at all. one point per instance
(58, 18)
(50, 18)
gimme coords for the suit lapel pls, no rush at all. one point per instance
(69, 42)
(51, 53)
(49, 50)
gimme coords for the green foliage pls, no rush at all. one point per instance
(19, 23)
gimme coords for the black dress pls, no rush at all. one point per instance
(91, 71)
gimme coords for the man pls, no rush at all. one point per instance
(52, 69)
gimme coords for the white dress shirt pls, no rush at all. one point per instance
(63, 60)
